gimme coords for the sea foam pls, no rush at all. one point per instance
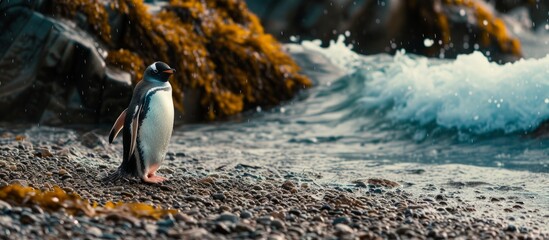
(468, 93)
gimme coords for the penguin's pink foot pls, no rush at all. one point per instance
(151, 178)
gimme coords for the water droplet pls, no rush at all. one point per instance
(546, 100)
(428, 42)
(258, 109)
(282, 110)
(485, 23)
(475, 117)
(462, 12)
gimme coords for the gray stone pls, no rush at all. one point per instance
(228, 217)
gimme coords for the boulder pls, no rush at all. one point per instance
(76, 61)
(433, 28)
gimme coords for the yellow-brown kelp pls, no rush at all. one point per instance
(493, 28)
(56, 199)
(218, 47)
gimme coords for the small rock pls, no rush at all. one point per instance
(218, 196)
(166, 188)
(241, 227)
(185, 218)
(246, 214)
(166, 223)
(196, 233)
(383, 182)
(278, 225)
(341, 220)
(151, 229)
(92, 140)
(4, 205)
(295, 212)
(94, 231)
(265, 220)
(326, 207)
(27, 218)
(342, 229)
(360, 184)
(288, 185)
(275, 236)
(43, 153)
(511, 228)
(222, 228)
(19, 182)
(180, 154)
(299, 231)
(318, 218)
(229, 217)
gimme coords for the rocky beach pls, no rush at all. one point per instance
(214, 199)
(294, 119)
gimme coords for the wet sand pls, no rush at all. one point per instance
(219, 199)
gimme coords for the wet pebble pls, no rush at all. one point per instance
(218, 196)
(229, 217)
(278, 225)
(246, 214)
(265, 220)
(341, 220)
(94, 231)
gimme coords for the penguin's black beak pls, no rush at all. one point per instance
(170, 71)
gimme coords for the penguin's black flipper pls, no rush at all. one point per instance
(118, 125)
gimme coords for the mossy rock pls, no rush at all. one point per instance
(218, 47)
(223, 58)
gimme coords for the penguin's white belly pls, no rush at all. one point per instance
(156, 128)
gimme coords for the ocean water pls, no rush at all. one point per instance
(380, 110)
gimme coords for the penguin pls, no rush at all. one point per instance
(147, 126)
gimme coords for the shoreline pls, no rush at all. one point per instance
(239, 200)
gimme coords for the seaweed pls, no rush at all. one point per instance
(127, 61)
(56, 199)
(492, 27)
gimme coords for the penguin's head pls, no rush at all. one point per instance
(158, 71)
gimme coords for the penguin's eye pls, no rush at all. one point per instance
(155, 71)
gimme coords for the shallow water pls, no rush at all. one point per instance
(379, 110)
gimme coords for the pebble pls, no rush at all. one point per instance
(246, 214)
(265, 220)
(342, 229)
(19, 181)
(92, 140)
(229, 217)
(341, 220)
(288, 185)
(27, 218)
(242, 227)
(278, 225)
(222, 228)
(511, 228)
(218, 196)
(94, 231)
(4, 205)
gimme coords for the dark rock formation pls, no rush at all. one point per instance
(433, 28)
(75, 61)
